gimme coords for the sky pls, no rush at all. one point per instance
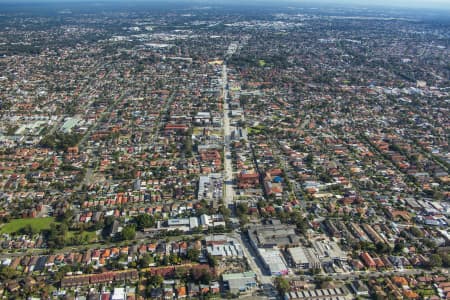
(405, 3)
(445, 4)
(401, 3)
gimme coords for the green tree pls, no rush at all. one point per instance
(446, 260)
(7, 273)
(28, 230)
(193, 254)
(174, 259)
(128, 232)
(383, 247)
(56, 235)
(62, 272)
(181, 273)
(322, 281)
(225, 211)
(299, 221)
(399, 245)
(146, 260)
(429, 243)
(309, 159)
(65, 217)
(435, 261)
(206, 277)
(165, 260)
(155, 280)
(416, 232)
(144, 221)
(243, 219)
(212, 261)
(282, 285)
(241, 209)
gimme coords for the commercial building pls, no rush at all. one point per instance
(239, 282)
(186, 224)
(273, 261)
(229, 249)
(302, 257)
(210, 187)
(328, 251)
(339, 293)
(273, 235)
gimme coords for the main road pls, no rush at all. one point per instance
(252, 257)
(228, 166)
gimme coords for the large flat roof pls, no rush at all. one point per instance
(248, 274)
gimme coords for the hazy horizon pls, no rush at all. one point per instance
(432, 4)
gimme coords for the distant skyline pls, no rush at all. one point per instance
(433, 4)
(404, 3)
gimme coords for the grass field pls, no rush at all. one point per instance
(197, 130)
(255, 129)
(16, 224)
(88, 236)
